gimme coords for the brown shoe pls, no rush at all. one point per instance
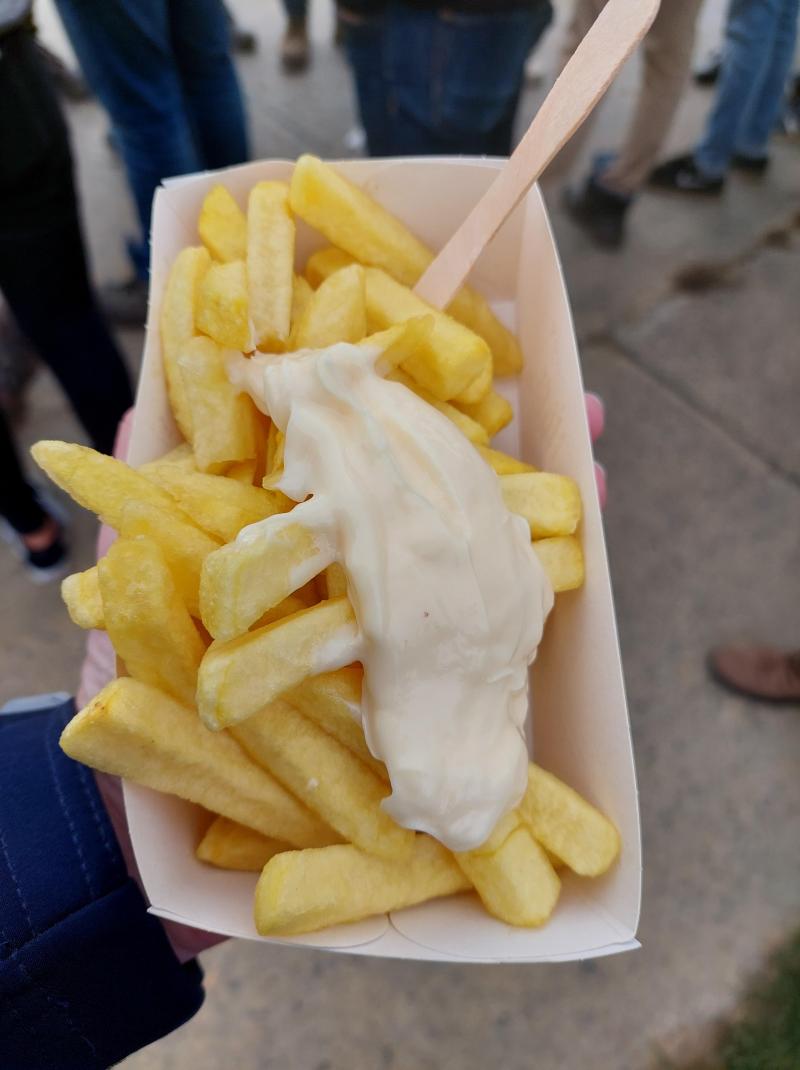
(295, 49)
(762, 673)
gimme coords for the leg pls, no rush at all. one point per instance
(364, 40)
(200, 37)
(761, 116)
(296, 10)
(125, 51)
(18, 502)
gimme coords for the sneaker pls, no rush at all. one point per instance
(708, 72)
(762, 673)
(47, 564)
(753, 165)
(125, 303)
(682, 175)
(599, 212)
(295, 48)
(243, 42)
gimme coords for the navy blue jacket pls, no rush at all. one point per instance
(86, 975)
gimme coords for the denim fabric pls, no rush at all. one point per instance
(759, 45)
(163, 71)
(86, 975)
(296, 9)
(439, 82)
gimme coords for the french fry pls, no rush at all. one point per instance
(222, 225)
(302, 293)
(267, 562)
(335, 313)
(303, 891)
(181, 457)
(335, 580)
(333, 701)
(516, 881)
(81, 595)
(184, 545)
(274, 454)
(177, 326)
(566, 824)
(134, 731)
(101, 484)
(324, 262)
(315, 640)
(492, 412)
(222, 310)
(466, 425)
(550, 503)
(228, 845)
(270, 263)
(291, 604)
(399, 342)
(562, 560)
(477, 389)
(502, 463)
(353, 221)
(242, 471)
(224, 421)
(146, 620)
(324, 775)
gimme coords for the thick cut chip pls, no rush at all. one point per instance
(222, 225)
(357, 224)
(503, 463)
(229, 845)
(267, 562)
(274, 451)
(221, 506)
(134, 731)
(240, 677)
(335, 579)
(562, 560)
(178, 309)
(147, 621)
(242, 471)
(465, 424)
(182, 458)
(333, 701)
(270, 263)
(399, 342)
(477, 389)
(566, 824)
(101, 484)
(291, 604)
(303, 891)
(335, 313)
(302, 293)
(492, 412)
(222, 306)
(324, 775)
(182, 543)
(324, 262)
(224, 421)
(81, 595)
(516, 882)
(550, 503)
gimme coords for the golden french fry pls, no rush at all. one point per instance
(270, 263)
(222, 225)
(229, 845)
(177, 326)
(324, 262)
(101, 484)
(335, 313)
(182, 543)
(324, 775)
(335, 581)
(221, 506)
(267, 562)
(303, 891)
(353, 221)
(302, 293)
(146, 620)
(465, 424)
(562, 560)
(291, 604)
(516, 881)
(502, 463)
(81, 595)
(241, 676)
(224, 421)
(550, 503)
(477, 389)
(274, 451)
(333, 701)
(222, 310)
(242, 471)
(134, 731)
(398, 342)
(492, 412)
(181, 457)
(566, 824)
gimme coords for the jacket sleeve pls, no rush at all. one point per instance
(87, 976)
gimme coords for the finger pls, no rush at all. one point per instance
(595, 414)
(600, 479)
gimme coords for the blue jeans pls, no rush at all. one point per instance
(439, 82)
(296, 9)
(759, 46)
(163, 71)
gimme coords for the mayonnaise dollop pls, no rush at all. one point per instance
(448, 593)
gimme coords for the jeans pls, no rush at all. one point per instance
(439, 82)
(296, 10)
(759, 45)
(163, 71)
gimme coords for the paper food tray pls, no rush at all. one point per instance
(580, 727)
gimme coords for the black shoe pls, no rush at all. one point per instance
(52, 561)
(598, 212)
(125, 303)
(243, 42)
(755, 165)
(682, 175)
(70, 84)
(708, 73)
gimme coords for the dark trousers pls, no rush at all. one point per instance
(438, 82)
(43, 272)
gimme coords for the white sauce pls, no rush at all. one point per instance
(449, 595)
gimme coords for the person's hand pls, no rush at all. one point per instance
(596, 415)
